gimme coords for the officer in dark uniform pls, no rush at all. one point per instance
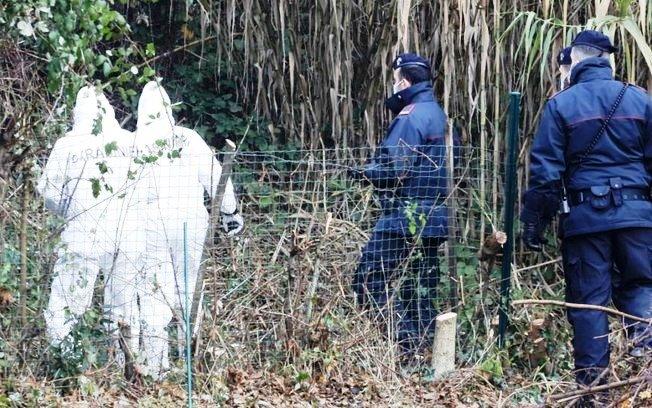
(409, 174)
(594, 150)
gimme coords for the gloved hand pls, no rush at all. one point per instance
(532, 236)
(538, 211)
(232, 223)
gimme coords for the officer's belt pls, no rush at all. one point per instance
(628, 194)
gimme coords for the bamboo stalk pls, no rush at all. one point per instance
(496, 117)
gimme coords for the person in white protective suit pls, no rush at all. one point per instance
(182, 167)
(88, 181)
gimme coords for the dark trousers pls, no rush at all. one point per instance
(387, 259)
(614, 265)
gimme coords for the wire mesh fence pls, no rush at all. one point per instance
(321, 250)
(139, 260)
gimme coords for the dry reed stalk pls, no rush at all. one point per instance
(23, 254)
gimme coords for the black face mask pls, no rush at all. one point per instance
(395, 103)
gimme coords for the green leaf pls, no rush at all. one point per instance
(150, 50)
(97, 125)
(630, 25)
(302, 376)
(106, 69)
(95, 185)
(103, 167)
(110, 147)
(525, 38)
(148, 72)
(545, 49)
(493, 366)
(265, 202)
(150, 158)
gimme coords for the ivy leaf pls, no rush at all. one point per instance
(148, 72)
(95, 185)
(110, 147)
(97, 125)
(106, 69)
(150, 50)
(103, 167)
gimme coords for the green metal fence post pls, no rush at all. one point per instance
(510, 199)
(187, 314)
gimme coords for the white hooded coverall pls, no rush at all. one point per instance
(88, 181)
(182, 167)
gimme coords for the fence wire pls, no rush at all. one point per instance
(329, 267)
(312, 256)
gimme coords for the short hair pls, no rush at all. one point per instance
(582, 52)
(414, 74)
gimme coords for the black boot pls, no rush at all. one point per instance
(586, 401)
(592, 377)
(597, 400)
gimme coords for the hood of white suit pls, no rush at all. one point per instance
(92, 106)
(154, 108)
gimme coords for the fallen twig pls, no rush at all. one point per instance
(175, 50)
(580, 306)
(567, 396)
(542, 264)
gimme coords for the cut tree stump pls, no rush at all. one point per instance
(443, 348)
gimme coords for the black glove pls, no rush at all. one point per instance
(232, 223)
(532, 236)
(537, 213)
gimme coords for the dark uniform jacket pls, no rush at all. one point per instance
(621, 159)
(409, 168)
